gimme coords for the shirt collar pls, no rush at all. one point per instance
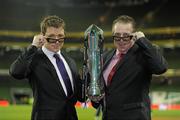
(117, 52)
(50, 53)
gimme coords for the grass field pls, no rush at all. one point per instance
(23, 113)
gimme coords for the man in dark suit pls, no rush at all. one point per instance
(52, 74)
(128, 71)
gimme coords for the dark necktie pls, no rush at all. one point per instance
(111, 74)
(64, 74)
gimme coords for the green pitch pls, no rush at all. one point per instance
(24, 113)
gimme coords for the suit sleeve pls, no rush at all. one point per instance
(156, 63)
(20, 68)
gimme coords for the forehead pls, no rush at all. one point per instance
(122, 34)
(55, 31)
(123, 28)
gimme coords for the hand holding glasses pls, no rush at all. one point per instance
(38, 40)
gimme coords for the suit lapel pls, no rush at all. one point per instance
(122, 61)
(126, 56)
(52, 71)
(108, 59)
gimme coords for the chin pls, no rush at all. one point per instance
(56, 50)
(121, 49)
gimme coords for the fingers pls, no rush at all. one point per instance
(134, 38)
(137, 35)
(38, 40)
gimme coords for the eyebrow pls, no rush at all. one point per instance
(59, 35)
(123, 34)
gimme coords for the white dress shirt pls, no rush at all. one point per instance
(50, 54)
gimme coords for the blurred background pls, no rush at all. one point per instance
(20, 20)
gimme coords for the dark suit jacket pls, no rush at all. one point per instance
(50, 101)
(127, 96)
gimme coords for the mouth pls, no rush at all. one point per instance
(122, 44)
(55, 46)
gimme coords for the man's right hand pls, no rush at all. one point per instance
(38, 40)
(138, 35)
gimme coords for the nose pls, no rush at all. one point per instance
(121, 39)
(57, 41)
(56, 37)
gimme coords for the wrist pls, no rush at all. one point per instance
(36, 45)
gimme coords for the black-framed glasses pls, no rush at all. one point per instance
(125, 37)
(53, 40)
